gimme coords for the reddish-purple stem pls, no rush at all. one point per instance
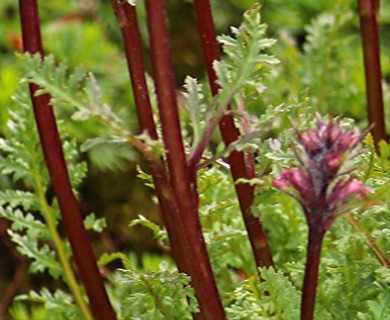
(241, 166)
(181, 180)
(54, 158)
(127, 20)
(309, 291)
(368, 13)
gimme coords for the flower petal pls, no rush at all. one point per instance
(347, 188)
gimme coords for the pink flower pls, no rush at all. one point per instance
(317, 185)
(295, 179)
(345, 188)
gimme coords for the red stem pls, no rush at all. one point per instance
(52, 149)
(181, 181)
(241, 166)
(316, 236)
(127, 19)
(368, 11)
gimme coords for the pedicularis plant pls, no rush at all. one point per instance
(236, 241)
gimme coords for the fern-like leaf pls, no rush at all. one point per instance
(18, 198)
(196, 107)
(43, 257)
(25, 222)
(58, 304)
(245, 60)
(152, 295)
(78, 92)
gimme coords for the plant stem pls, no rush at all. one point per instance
(368, 13)
(241, 166)
(54, 158)
(370, 241)
(316, 236)
(181, 181)
(200, 147)
(127, 20)
(58, 244)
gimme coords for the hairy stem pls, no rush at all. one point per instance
(240, 168)
(316, 236)
(54, 158)
(181, 180)
(368, 13)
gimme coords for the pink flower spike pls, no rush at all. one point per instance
(348, 188)
(317, 184)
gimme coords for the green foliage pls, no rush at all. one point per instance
(352, 285)
(335, 88)
(34, 221)
(376, 310)
(23, 161)
(79, 95)
(58, 303)
(240, 74)
(328, 62)
(250, 300)
(43, 257)
(21, 146)
(107, 258)
(223, 227)
(92, 223)
(196, 108)
(158, 233)
(162, 294)
(245, 59)
(69, 91)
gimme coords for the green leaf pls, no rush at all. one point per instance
(196, 107)
(147, 178)
(245, 60)
(158, 233)
(16, 198)
(43, 257)
(91, 223)
(93, 142)
(249, 300)
(59, 304)
(80, 90)
(25, 221)
(161, 295)
(107, 258)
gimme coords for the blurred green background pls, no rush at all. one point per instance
(318, 45)
(84, 33)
